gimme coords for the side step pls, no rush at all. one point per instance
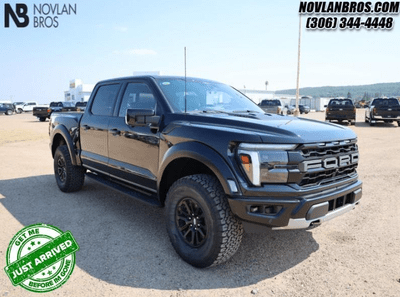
(148, 199)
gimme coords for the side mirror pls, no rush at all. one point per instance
(142, 117)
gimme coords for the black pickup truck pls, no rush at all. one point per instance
(383, 109)
(43, 113)
(341, 110)
(211, 156)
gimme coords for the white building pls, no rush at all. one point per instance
(78, 91)
(258, 95)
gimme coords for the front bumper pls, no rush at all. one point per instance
(297, 212)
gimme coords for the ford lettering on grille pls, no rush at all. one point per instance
(329, 163)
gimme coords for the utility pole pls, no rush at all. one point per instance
(296, 111)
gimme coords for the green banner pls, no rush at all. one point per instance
(45, 256)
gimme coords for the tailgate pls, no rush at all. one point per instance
(387, 111)
(42, 111)
(345, 111)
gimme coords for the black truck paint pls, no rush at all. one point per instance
(383, 110)
(231, 166)
(341, 110)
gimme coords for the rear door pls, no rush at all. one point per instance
(133, 151)
(94, 127)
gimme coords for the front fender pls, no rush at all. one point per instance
(61, 130)
(204, 154)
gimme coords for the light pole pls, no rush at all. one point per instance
(296, 111)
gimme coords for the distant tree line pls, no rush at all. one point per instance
(357, 93)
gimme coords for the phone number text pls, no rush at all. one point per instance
(317, 23)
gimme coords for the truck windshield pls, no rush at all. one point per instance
(202, 95)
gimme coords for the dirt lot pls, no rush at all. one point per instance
(125, 251)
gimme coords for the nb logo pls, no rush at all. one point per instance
(20, 12)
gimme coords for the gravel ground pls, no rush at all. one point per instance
(125, 251)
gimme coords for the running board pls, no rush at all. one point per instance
(145, 198)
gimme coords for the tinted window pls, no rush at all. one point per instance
(104, 100)
(385, 102)
(137, 95)
(270, 103)
(340, 102)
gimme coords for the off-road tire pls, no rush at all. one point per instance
(69, 178)
(42, 119)
(398, 123)
(9, 112)
(223, 232)
(19, 110)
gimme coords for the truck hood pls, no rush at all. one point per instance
(273, 128)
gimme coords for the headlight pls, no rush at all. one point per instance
(265, 163)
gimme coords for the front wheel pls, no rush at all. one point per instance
(69, 178)
(9, 112)
(200, 223)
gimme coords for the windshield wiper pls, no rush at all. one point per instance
(245, 111)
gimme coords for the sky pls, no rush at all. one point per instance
(240, 43)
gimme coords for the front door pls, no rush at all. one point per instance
(133, 151)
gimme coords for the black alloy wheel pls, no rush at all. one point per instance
(199, 221)
(69, 178)
(61, 169)
(190, 220)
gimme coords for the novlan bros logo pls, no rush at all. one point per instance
(21, 12)
(44, 15)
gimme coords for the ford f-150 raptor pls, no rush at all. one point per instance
(211, 156)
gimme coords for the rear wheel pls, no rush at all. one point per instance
(200, 223)
(69, 178)
(398, 123)
(9, 112)
(42, 119)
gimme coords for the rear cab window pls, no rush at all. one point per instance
(104, 100)
(340, 102)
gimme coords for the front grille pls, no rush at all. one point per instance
(328, 176)
(328, 149)
(320, 151)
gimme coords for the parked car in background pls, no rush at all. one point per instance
(383, 109)
(28, 106)
(341, 110)
(304, 109)
(290, 109)
(42, 112)
(272, 106)
(7, 108)
(18, 106)
(68, 106)
(62, 106)
(81, 106)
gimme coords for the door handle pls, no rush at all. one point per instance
(115, 132)
(85, 127)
